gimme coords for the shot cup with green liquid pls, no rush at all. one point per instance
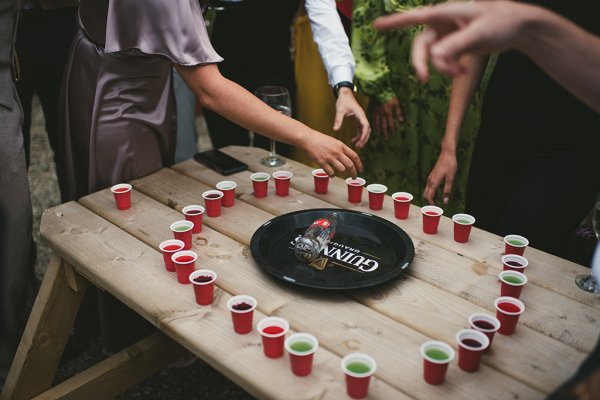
(436, 358)
(512, 283)
(358, 368)
(301, 347)
(515, 244)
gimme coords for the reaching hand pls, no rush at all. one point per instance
(443, 171)
(331, 155)
(385, 116)
(347, 105)
(454, 29)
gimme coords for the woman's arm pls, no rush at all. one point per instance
(237, 104)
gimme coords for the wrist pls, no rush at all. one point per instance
(345, 91)
(342, 85)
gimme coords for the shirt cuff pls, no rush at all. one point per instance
(340, 74)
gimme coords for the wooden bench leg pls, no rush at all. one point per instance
(43, 342)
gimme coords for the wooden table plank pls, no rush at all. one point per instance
(133, 272)
(545, 270)
(235, 273)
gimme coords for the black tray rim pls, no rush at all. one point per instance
(394, 274)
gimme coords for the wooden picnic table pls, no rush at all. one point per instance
(117, 251)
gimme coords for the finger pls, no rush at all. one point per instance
(470, 39)
(338, 165)
(339, 119)
(399, 114)
(356, 162)
(420, 53)
(446, 66)
(364, 134)
(327, 168)
(425, 15)
(448, 188)
(384, 125)
(391, 122)
(430, 189)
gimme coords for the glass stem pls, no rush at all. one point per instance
(272, 152)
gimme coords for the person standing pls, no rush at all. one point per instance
(15, 205)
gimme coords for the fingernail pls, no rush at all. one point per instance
(446, 200)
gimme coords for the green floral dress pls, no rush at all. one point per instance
(384, 71)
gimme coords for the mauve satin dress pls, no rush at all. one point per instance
(118, 108)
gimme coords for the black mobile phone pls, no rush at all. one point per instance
(220, 162)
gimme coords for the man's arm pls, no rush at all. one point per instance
(331, 39)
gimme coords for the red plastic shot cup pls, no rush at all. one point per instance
(122, 193)
(321, 180)
(358, 368)
(194, 214)
(168, 248)
(508, 310)
(185, 263)
(301, 347)
(203, 281)
(355, 189)
(513, 262)
(376, 195)
(431, 219)
(182, 230)
(273, 330)
(402, 204)
(436, 358)
(242, 311)
(462, 227)
(212, 202)
(512, 283)
(260, 183)
(485, 323)
(282, 182)
(228, 189)
(471, 344)
(515, 244)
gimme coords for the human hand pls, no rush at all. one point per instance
(385, 115)
(454, 29)
(331, 154)
(346, 105)
(444, 171)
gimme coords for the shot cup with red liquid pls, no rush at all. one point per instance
(321, 180)
(301, 348)
(282, 182)
(228, 189)
(436, 358)
(122, 194)
(376, 195)
(203, 281)
(513, 262)
(358, 368)
(168, 248)
(431, 219)
(508, 310)
(462, 227)
(471, 344)
(260, 183)
(402, 204)
(273, 330)
(185, 263)
(212, 201)
(182, 230)
(512, 283)
(515, 244)
(485, 323)
(194, 214)
(355, 189)
(242, 312)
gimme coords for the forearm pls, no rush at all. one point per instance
(240, 106)
(567, 53)
(464, 87)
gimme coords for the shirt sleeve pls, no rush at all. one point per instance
(373, 77)
(171, 28)
(331, 39)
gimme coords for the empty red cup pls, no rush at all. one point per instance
(212, 202)
(228, 189)
(260, 183)
(436, 358)
(515, 244)
(431, 219)
(273, 330)
(185, 263)
(462, 227)
(485, 323)
(471, 344)
(242, 311)
(282, 182)
(508, 310)
(355, 189)
(512, 283)
(358, 368)
(122, 193)
(402, 204)
(203, 281)
(194, 214)
(321, 180)
(301, 347)
(513, 262)
(168, 248)
(376, 196)
(182, 230)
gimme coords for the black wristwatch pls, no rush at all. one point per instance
(340, 85)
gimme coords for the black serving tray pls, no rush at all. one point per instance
(367, 250)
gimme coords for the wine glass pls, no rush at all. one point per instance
(589, 283)
(278, 98)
